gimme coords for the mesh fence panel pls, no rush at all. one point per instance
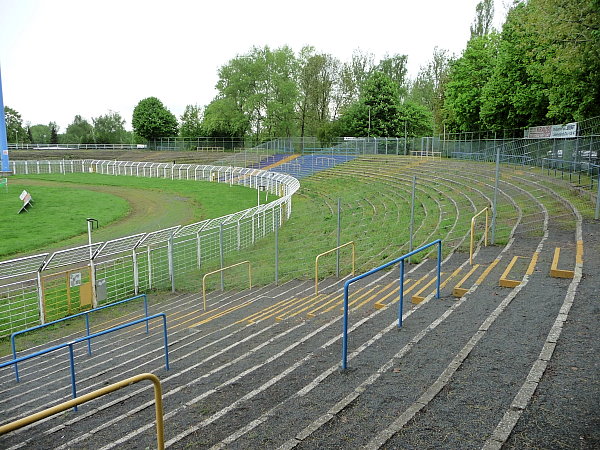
(19, 306)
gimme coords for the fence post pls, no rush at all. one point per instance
(494, 204)
(221, 254)
(170, 258)
(412, 216)
(149, 255)
(597, 213)
(136, 272)
(199, 249)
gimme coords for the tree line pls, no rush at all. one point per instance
(108, 128)
(542, 67)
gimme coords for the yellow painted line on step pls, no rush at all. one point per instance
(197, 315)
(458, 290)
(452, 275)
(374, 296)
(356, 299)
(311, 301)
(360, 297)
(272, 313)
(487, 271)
(579, 255)
(279, 163)
(268, 308)
(407, 291)
(379, 304)
(533, 263)
(338, 297)
(416, 298)
(555, 271)
(504, 280)
(222, 313)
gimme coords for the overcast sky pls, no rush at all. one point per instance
(60, 58)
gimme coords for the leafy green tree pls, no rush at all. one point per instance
(467, 77)
(14, 126)
(260, 85)
(548, 65)
(40, 134)
(429, 87)
(351, 77)
(152, 120)
(484, 17)
(395, 68)
(514, 96)
(110, 129)
(53, 133)
(223, 118)
(316, 79)
(191, 122)
(80, 131)
(377, 113)
(566, 54)
(415, 119)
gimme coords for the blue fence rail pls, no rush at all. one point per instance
(87, 338)
(401, 302)
(87, 325)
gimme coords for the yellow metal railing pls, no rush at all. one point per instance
(326, 253)
(486, 211)
(160, 435)
(221, 270)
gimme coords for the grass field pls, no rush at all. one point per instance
(122, 205)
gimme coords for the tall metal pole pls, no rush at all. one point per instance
(597, 213)
(339, 237)
(495, 196)
(5, 166)
(276, 212)
(405, 137)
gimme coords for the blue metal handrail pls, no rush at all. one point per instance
(87, 338)
(401, 303)
(87, 325)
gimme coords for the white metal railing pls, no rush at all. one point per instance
(130, 264)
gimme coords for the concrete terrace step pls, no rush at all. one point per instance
(330, 357)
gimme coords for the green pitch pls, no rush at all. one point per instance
(122, 205)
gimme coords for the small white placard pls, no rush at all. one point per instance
(75, 279)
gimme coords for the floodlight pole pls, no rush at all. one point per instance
(4, 166)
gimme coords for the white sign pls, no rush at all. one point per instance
(568, 130)
(75, 279)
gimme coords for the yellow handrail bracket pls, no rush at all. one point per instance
(486, 211)
(221, 270)
(160, 434)
(328, 252)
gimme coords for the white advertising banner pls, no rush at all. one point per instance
(568, 130)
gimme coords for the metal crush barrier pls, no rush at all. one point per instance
(160, 439)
